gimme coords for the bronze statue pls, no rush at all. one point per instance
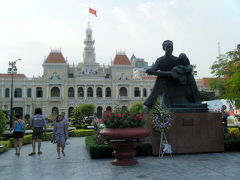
(175, 84)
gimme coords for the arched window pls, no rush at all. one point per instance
(18, 110)
(70, 109)
(7, 92)
(99, 92)
(55, 111)
(109, 108)
(99, 111)
(124, 108)
(18, 93)
(89, 92)
(55, 92)
(108, 92)
(144, 92)
(39, 92)
(123, 91)
(70, 92)
(80, 92)
(137, 92)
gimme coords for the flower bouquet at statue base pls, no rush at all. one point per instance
(161, 122)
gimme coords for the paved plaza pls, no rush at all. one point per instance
(77, 165)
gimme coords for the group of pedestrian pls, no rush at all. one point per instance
(39, 128)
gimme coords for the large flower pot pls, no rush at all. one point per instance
(124, 140)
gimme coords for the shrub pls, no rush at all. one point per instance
(137, 107)
(81, 132)
(6, 145)
(3, 122)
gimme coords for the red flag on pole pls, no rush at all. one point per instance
(92, 11)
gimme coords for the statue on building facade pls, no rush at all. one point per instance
(175, 84)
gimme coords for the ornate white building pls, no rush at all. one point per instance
(64, 86)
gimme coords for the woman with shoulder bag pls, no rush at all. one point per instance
(59, 135)
(18, 133)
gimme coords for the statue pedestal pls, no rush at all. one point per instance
(191, 133)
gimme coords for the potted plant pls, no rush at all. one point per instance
(123, 130)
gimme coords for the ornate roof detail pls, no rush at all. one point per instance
(121, 59)
(55, 56)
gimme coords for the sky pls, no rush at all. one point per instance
(29, 29)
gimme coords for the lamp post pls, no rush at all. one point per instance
(12, 70)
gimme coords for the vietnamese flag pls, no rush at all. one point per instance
(92, 11)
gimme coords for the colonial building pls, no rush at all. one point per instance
(64, 86)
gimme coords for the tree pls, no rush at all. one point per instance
(80, 111)
(227, 69)
(137, 107)
(87, 109)
(3, 122)
(77, 117)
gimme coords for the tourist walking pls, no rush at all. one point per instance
(37, 122)
(60, 135)
(18, 133)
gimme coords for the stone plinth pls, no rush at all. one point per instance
(191, 133)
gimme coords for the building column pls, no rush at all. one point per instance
(94, 92)
(76, 92)
(85, 92)
(116, 92)
(47, 92)
(2, 92)
(130, 91)
(104, 92)
(62, 87)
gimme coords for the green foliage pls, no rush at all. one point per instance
(87, 109)
(206, 96)
(3, 122)
(80, 111)
(97, 151)
(6, 145)
(137, 107)
(81, 132)
(227, 70)
(77, 117)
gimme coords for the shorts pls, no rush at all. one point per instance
(37, 133)
(18, 134)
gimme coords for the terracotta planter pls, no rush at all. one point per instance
(124, 140)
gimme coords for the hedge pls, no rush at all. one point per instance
(97, 151)
(81, 132)
(6, 145)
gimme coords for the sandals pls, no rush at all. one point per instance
(32, 153)
(39, 152)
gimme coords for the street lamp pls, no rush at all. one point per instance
(12, 70)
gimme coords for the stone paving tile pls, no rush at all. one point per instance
(77, 165)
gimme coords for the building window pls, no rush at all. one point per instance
(29, 92)
(70, 92)
(55, 111)
(137, 92)
(108, 92)
(39, 92)
(80, 92)
(144, 92)
(109, 108)
(123, 91)
(55, 92)
(90, 92)
(18, 93)
(99, 92)
(70, 75)
(99, 111)
(7, 93)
